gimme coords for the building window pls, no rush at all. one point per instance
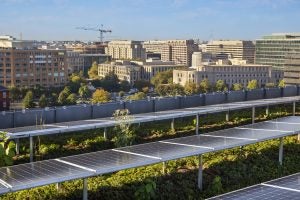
(4, 95)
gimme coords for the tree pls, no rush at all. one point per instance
(237, 86)
(140, 84)
(204, 86)
(100, 96)
(169, 90)
(76, 80)
(43, 102)
(220, 85)
(165, 77)
(281, 83)
(53, 99)
(191, 88)
(14, 93)
(110, 82)
(137, 96)
(93, 71)
(71, 99)
(67, 90)
(84, 92)
(124, 85)
(62, 97)
(28, 100)
(252, 84)
(7, 150)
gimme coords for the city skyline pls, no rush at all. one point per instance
(144, 20)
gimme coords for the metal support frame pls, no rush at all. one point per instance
(197, 124)
(267, 110)
(17, 141)
(281, 151)
(164, 168)
(200, 174)
(227, 116)
(173, 125)
(85, 189)
(105, 133)
(294, 108)
(253, 114)
(58, 187)
(299, 137)
(31, 148)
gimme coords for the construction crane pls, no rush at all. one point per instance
(101, 31)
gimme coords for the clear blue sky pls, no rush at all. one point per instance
(149, 19)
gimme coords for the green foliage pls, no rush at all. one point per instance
(125, 136)
(252, 85)
(101, 96)
(137, 96)
(281, 83)
(237, 87)
(93, 71)
(62, 98)
(110, 82)
(146, 191)
(28, 100)
(216, 186)
(71, 99)
(84, 92)
(124, 85)
(14, 93)
(140, 84)
(220, 86)
(43, 101)
(191, 88)
(53, 99)
(7, 150)
(76, 80)
(165, 77)
(205, 86)
(169, 90)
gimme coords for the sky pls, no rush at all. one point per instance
(148, 19)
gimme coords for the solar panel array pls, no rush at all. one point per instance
(283, 188)
(64, 127)
(40, 173)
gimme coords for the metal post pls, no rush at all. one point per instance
(164, 168)
(173, 125)
(31, 148)
(197, 124)
(85, 189)
(227, 116)
(294, 108)
(267, 110)
(17, 141)
(200, 174)
(281, 151)
(253, 115)
(299, 137)
(58, 187)
(105, 133)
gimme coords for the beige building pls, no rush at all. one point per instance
(230, 73)
(178, 51)
(132, 71)
(292, 69)
(96, 48)
(11, 42)
(125, 49)
(239, 49)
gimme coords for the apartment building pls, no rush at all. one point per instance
(230, 73)
(226, 49)
(75, 62)
(178, 51)
(4, 98)
(132, 71)
(126, 49)
(273, 49)
(292, 69)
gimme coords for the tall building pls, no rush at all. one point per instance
(75, 62)
(125, 49)
(239, 49)
(272, 49)
(178, 51)
(230, 73)
(292, 69)
(28, 67)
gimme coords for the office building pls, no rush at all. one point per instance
(239, 72)
(273, 49)
(75, 62)
(4, 98)
(126, 49)
(292, 69)
(227, 49)
(178, 51)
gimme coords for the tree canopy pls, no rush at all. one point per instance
(252, 84)
(165, 77)
(93, 71)
(100, 96)
(28, 100)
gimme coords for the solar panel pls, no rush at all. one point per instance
(40, 173)
(165, 151)
(274, 126)
(290, 119)
(109, 161)
(259, 192)
(292, 182)
(3, 189)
